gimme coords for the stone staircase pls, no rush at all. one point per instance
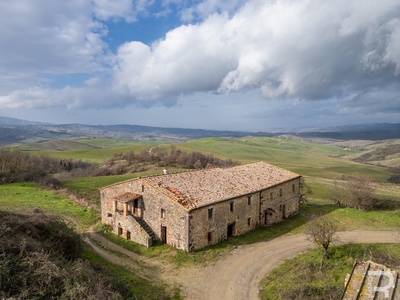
(146, 227)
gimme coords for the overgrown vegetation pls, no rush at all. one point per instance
(41, 259)
(17, 166)
(130, 162)
(354, 191)
(305, 277)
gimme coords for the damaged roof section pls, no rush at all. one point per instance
(369, 280)
(203, 187)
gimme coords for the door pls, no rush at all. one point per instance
(283, 211)
(135, 206)
(164, 234)
(231, 229)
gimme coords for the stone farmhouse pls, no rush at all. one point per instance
(193, 209)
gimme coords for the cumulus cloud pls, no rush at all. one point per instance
(306, 49)
(344, 54)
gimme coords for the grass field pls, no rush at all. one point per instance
(320, 164)
(22, 197)
(305, 158)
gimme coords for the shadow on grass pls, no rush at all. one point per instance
(295, 224)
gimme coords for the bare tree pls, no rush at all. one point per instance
(322, 231)
(354, 191)
(305, 190)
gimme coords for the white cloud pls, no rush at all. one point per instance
(48, 37)
(187, 60)
(345, 52)
(306, 49)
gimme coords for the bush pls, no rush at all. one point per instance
(354, 191)
(40, 258)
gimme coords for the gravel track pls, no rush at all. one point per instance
(236, 275)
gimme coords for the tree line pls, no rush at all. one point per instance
(127, 162)
(18, 166)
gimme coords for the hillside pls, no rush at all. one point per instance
(26, 132)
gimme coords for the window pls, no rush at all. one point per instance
(271, 196)
(231, 206)
(142, 188)
(162, 213)
(249, 221)
(119, 231)
(109, 214)
(293, 188)
(248, 200)
(280, 192)
(209, 237)
(210, 213)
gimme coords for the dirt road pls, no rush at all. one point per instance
(237, 275)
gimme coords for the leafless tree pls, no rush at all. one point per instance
(322, 231)
(354, 191)
(305, 190)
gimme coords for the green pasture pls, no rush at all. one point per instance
(301, 157)
(322, 190)
(96, 150)
(305, 158)
(22, 197)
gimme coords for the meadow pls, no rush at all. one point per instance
(320, 165)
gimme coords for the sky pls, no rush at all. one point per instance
(255, 65)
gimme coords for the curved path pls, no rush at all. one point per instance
(237, 275)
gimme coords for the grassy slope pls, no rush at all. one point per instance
(320, 163)
(20, 197)
(300, 157)
(94, 150)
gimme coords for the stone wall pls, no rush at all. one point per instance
(210, 227)
(242, 214)
(210, 224)
(174, 218)
(160, 211)
(280, 201)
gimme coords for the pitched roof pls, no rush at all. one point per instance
(203, 187)
(366, 276)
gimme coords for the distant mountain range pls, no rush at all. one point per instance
(22, 131)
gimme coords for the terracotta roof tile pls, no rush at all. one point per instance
(203, 187)
(126, 197)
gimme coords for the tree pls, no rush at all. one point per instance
(322, 231)
(356, 192)
(305, 190)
